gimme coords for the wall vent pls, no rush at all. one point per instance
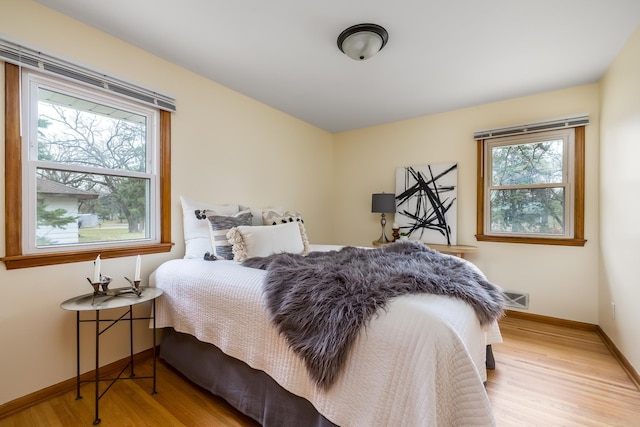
(516, 299)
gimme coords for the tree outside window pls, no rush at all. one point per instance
(527, 188)
(96, 152)
(88, 170)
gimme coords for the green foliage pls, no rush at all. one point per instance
(54, 218)
(104, 142)
(527, 199)
(525, 164)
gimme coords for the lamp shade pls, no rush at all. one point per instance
(383, 203)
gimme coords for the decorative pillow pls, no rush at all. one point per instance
(264, 240)
(256, 219)
(197, 240)
(220, 226)
(273, 217)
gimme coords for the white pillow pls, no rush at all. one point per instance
(197, 240)
(265, 240)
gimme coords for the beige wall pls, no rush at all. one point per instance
(620, 201)
(561, 281)
(226, 148)
(220, 136)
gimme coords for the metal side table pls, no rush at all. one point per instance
(90, 302)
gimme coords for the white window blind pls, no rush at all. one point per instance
(552, 124)
(33, 59)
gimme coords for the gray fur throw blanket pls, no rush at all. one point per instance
(321, 301)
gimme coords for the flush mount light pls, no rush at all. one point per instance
(362, 41)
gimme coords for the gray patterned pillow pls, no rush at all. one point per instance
(220, 225)
(197, 239)
(272, 217)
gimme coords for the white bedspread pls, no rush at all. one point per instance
(421, 363)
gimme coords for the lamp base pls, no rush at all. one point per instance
(383, 240)
(383, 237)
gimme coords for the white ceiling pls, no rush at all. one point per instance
(441, 55)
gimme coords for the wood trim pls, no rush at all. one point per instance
(14, 257)
(578, 204)
(12, 161)
(165, 176)
(530, 240)
(551, 320)
(578, 189)
(633, 375)
(480, 190)
(626, 366)
(66, 386)
(38, 260)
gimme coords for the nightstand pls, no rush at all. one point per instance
(89, 302)
(377, 244)
(457, 250)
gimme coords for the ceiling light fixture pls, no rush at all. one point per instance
(362, 41)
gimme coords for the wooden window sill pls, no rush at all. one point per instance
(531, 240)
(37, 260)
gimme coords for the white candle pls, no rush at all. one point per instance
(96, 270)
(138, 262)
(395, 225)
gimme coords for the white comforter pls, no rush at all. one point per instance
(421, 363)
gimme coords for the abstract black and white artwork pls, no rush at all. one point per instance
(427, 201)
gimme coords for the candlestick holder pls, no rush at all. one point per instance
(100, 288)
(135, 286)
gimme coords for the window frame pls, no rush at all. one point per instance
(15, 256)
(32, 81)
(576, 211)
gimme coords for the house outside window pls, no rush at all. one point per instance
(94, 144)
(87, 163)
(59, 220)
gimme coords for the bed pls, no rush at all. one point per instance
(419, 362)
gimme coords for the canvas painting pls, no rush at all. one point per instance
(426, 202)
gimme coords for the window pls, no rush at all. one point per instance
(531, 188)
(528, 190)
(90, 168)
(90, 174)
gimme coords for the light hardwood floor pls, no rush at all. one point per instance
(547, 375)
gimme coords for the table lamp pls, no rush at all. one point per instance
(383, 203)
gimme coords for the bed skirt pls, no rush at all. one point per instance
(252, 392)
